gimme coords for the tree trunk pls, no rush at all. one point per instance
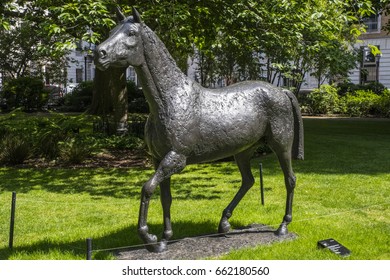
(110, 99)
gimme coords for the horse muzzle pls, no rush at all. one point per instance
(101, 59)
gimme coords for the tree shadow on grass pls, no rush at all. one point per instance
(103, 247)
(199, 182)
(96, 182)
(331, 147)
(115, 183)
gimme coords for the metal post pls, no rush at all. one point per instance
(89, 248)
(377, 59)
(261, 184)
(12, 221)
(85, 68)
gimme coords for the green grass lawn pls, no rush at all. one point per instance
(342, 192)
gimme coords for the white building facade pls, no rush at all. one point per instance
(375, 68)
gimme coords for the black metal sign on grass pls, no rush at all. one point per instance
(334, 246)
(12, 221)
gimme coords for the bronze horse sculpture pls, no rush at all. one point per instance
(190, 124)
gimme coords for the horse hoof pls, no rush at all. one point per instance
(167, 234)
(282, 230)
(224, 226)
(148, 238)
(157, 248)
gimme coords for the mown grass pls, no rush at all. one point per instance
(342, 192)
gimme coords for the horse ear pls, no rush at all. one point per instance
(119, 15)
(136, 16)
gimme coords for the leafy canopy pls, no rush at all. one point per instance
(292, 36)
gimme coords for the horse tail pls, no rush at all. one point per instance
(298, 146)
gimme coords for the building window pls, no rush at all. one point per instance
(79, 48)
(372, 24)
(369, 71)
(131, 74)
(79, 75)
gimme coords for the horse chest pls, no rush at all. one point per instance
(176, 131)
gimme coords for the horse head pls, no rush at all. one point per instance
(124, 45)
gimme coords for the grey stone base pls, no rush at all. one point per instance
(209, 246)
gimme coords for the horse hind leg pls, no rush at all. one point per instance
(284, 156)
(243, 162)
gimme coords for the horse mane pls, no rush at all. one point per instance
(161, 64)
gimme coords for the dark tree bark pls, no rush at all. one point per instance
(110, 99)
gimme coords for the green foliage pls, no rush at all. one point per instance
(375, 87)
(122, 142)
(14, 149)
(137, 124)
(384, 104)
(80, 99)
(67, 138)
(137, 101)
(333, 62)
(74, 150)
(56, 129)
(361, 103)
(25, 45)
(324, 100)
(48, 138)
(345, 87)
(44, 134)
(26, 92)
(293, 36)
(371, 99)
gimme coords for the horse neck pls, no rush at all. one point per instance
(159, 75)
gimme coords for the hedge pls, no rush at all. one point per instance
(354, 102)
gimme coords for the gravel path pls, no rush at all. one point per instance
(210, 246)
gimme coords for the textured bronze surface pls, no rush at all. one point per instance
(191, 124)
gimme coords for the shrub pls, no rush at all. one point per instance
(73, 150)
(54, 130)
(136, 99)
(80, 98)
(101, 141)
(361, 103)
(324, 100)
(344, 88)
(26, 92)
(384, 104)
(137, 124)
(374, 87)
(67, 138)
(14, 149)
(44, 132)
(348, 87)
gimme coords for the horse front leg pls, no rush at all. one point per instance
(172, 163)
(166, 201)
